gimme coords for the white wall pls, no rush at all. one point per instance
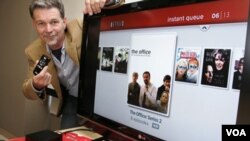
(74, 8)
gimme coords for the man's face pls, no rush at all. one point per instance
(135, 77)
(146, 78)
(209, 73)
(241, 66)
(50, 26)
(167, 83)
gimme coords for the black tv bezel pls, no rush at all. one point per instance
(90, 44)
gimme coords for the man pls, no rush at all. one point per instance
(148, 93)
(207, 78)
(164, 87)
(134, 90)
(61, 42)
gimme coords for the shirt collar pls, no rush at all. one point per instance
(62, 50)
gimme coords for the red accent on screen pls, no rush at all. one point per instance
(222, 11)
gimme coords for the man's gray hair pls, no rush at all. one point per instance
(46, 4)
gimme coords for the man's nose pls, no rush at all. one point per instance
(48, 28)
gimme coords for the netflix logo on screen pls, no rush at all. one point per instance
(235, 132)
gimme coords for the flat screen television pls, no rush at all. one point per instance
(200, 46)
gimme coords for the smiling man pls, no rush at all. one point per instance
(60, 40)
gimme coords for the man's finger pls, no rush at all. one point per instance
(44, 70)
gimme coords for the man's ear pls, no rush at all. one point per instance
(65, 21)
(34, 24)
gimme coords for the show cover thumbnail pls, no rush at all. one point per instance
(216, 67)
(238, 68)
(107, 59)
(151, 61)
(187, 65)
(121, 60)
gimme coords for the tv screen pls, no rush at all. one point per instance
(173, 72)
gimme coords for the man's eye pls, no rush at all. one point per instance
(40, 24)
(54, 22)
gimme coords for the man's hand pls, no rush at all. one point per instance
(167, 88)
(42, 79)
(93, 6)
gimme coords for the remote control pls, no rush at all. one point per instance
(43, 61)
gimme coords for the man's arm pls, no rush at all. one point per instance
(33, 86)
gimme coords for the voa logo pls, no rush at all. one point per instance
(236, 132)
